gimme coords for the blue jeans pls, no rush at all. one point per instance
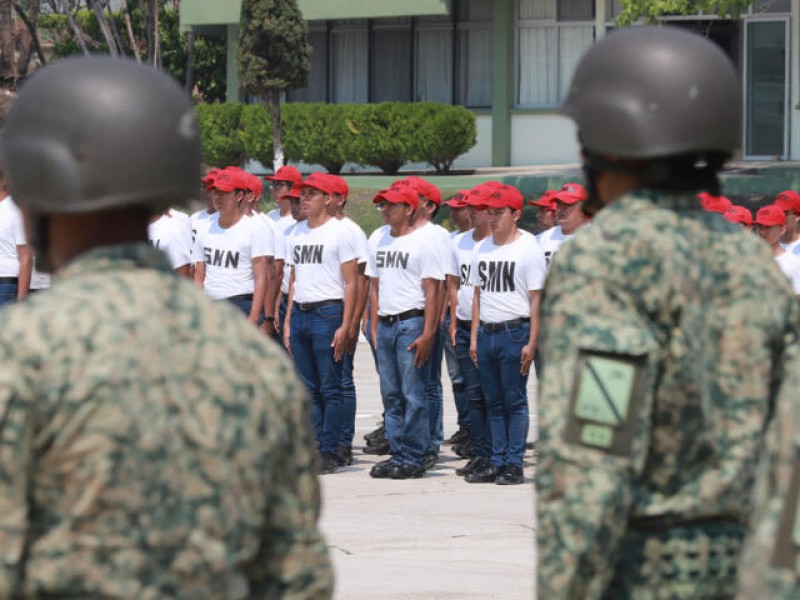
(8, 293)
(242, 304)
(311, 334)
(456, 378)
(349, 401)
(403, 390)
(478, 410)
(505, 391)
(433, 392)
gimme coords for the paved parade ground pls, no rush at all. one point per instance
(432, 538)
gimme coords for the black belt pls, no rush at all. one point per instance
(658, 523)
(240, 297)
(464, 324)
(14, 280)
(313, 305)
(409, 314)
(505, 325)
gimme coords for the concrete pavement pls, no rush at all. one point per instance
(432, 538)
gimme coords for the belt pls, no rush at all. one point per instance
(240, 297)
(505, 325)
(313, 305)
(464, 324)
(9, 280)
(409, 314)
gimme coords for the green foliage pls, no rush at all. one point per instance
(443, 133)
(386, 135)
(221, 134)
(650, 10)
(322, 134)
(256, 133)
(209, 52)
(274, 53)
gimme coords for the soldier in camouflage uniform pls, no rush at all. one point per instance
(665, 332)
(154, 444)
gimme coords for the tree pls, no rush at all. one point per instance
(274, 56)
(650, 10)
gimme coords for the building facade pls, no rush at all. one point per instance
(510, 61)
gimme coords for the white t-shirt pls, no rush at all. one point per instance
(441, 243)
(792, 247)
(790, 265)
(550, 242)
(400, 264)
(39, 280)
(172, 234)
(277, 238)
(317, 255)
(228, 255)
(265, 230)
(12, 234)
(506, 274)
(357, 238)
(200, 220)
(463, 249)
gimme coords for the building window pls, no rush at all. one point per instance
(551, 38)
(349, 60)
(475, 53)
(316, 91)
(433, 59)
(390, 60)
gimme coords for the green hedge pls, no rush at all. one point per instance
(386, 135)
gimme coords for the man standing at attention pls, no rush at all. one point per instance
(16, 260)
(155, 445)
(664, 334)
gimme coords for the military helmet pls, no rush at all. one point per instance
(97, 133)
(651, 92)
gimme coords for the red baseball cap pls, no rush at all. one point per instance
(208, 179)
(739, 214)
(293, 194)
(476, 197)
(230, 179)
(319, 181)
(546, 201)
(570, 193)
(255, 185)
(398, 195)
(719, 204)
(457, 201)
(286, 173)
(788, 200)
(504, 196)
(340, 185)
(425, 188)
(770, 215)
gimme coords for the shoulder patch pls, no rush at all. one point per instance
(606, 393)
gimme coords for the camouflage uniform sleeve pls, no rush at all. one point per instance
(583, 492)
(759, 576)
(293, 563)
(15, 476)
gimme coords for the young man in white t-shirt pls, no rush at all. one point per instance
(16, 261)
(569, 217)
(284, 180)
(171, 232)
(406, 276)
(322, 296)
(430, 200)
(460, 216)
(298, 216)
(789, 202)
(358, 238)
(508, 271)
(231, 255)
(546, 211)
(770, 225)
(461, 294)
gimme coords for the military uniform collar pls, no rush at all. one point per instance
(125, 257)
(678, 201)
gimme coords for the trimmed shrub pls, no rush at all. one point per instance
(443, 133)
(221, 134)
(385, 135)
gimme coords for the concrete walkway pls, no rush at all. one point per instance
(432, 538)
